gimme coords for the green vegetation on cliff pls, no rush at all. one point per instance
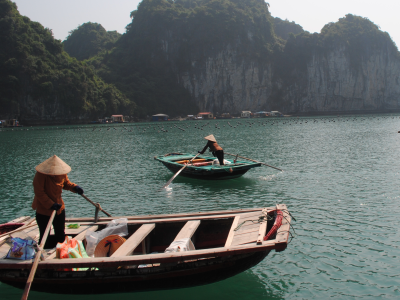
(88, 40)
(358, 37)
(38, 80)
(283, 28)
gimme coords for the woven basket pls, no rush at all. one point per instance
(107, 246)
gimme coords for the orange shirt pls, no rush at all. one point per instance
(213, 147)
(48, 189)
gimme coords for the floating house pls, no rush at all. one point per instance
(276, 113)
(261, 114)
(9, 123)
(225, 116)
(159, 117)
(118, 119)
(246, 114)
(205, 115)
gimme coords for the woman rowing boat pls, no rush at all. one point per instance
(216, 149)
(50, 179)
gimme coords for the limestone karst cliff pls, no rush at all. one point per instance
(226, 55)
(184, 56)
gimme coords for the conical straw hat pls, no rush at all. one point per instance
(53, 166)
(211, 138)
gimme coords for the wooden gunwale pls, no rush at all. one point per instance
(169, 216)
(279, 244)
(140, 259)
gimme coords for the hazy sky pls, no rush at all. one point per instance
(312, 15)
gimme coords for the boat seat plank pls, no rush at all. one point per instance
(251, 216)
(188, 230)
(245, 238)
(247, 231)
(134, 240)
(75, 231)
(81, 235)
(232, 232)
(247, 226)
(32, 233)
(31, 230)
(262, 232)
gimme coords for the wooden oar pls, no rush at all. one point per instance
(177, 173)
(254, 161)
(37, 257)
(96, 205)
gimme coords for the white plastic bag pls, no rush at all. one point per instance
(180, 245)
(216, 162)
(118, 227)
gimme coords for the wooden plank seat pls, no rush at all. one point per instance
(134, 240)
(250, 230)
(188, 230)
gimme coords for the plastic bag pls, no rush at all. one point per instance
(216, 162)
(71, 248)
(180, 245)
(21, 249)
(118, 227)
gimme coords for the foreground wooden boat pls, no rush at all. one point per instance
(202, 167)
(226, 243)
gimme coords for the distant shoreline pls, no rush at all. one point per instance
(31, 123)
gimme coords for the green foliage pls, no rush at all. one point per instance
(34, 69)
(88, 40)
(283, 28)
(360, 36)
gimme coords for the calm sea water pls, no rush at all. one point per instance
(340, 181)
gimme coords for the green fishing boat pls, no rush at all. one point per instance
(205, 167)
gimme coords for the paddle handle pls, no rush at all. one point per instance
(96, 205)
(37, 257)
(254, 161)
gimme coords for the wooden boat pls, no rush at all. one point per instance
(203, 168)
(225, 244)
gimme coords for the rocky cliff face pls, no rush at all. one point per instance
(333, 84)
(226, 83)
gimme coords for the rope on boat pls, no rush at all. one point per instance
(264, 218)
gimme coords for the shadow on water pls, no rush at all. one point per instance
(246, 285)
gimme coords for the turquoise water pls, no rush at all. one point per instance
(340, 181)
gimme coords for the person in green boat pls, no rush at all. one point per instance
(216, 149)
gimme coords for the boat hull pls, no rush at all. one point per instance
(209, 172)
(207, 175)
(181, 275)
